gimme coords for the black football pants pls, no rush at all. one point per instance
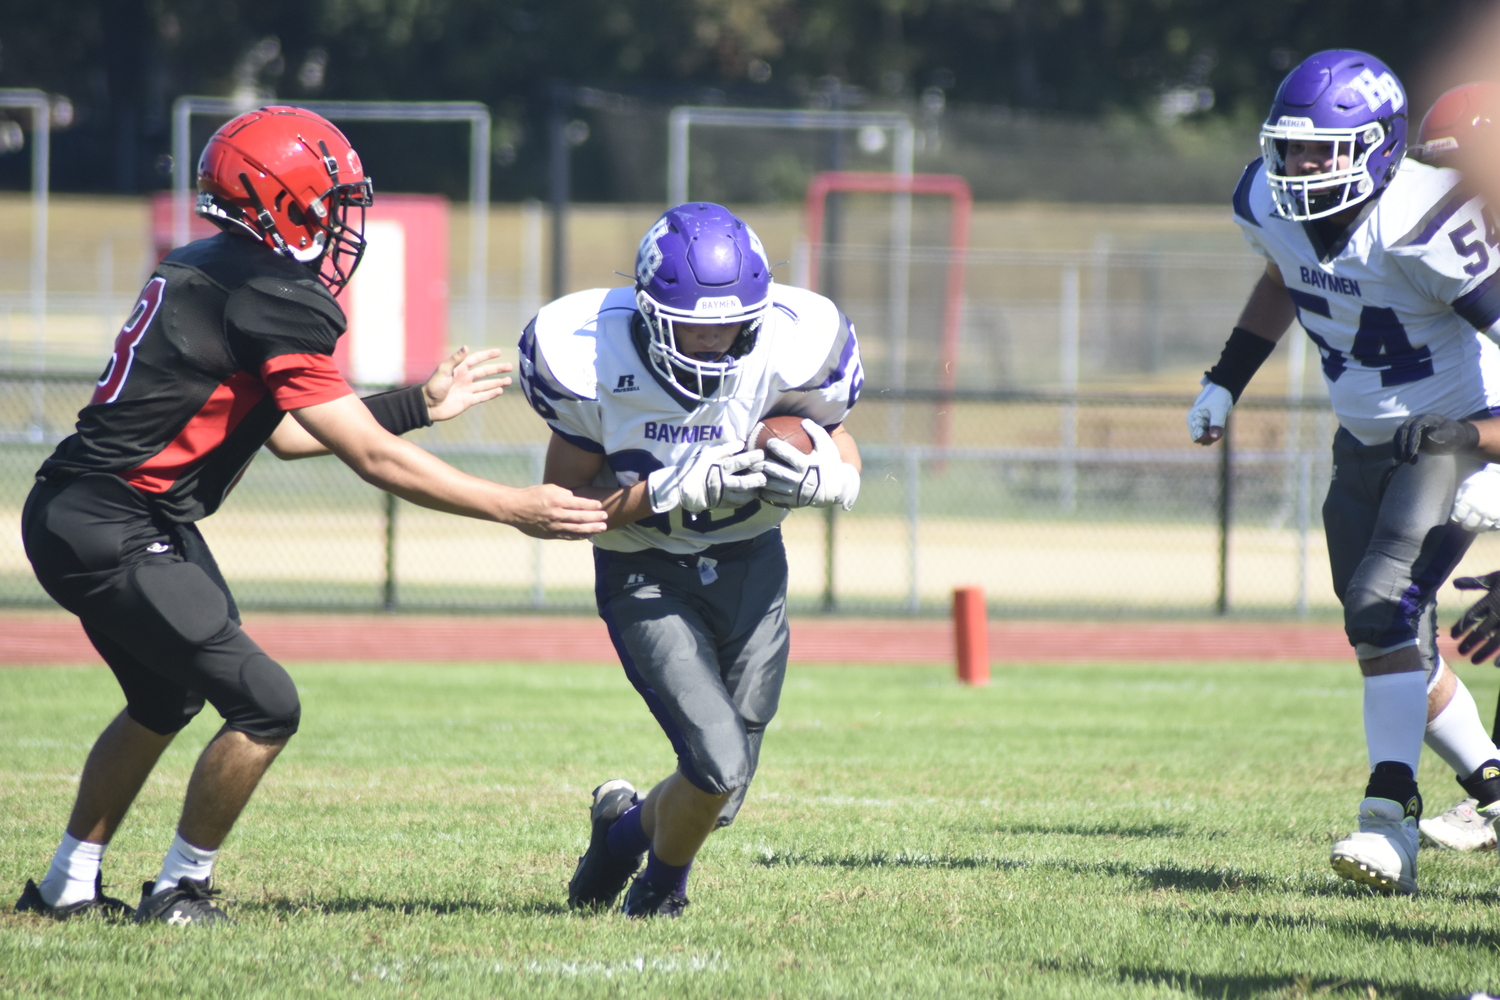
(153, 603)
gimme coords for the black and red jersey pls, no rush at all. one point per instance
(226, 335)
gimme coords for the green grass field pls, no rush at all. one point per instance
(1101, 831)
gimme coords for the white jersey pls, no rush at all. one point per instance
(583, 373)
(1395, 310)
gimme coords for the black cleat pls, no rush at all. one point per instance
(191, 903)
(647, 900)
(600, 876)
(110, 908)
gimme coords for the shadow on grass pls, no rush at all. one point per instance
(1152, 832)
(1235, 987)
(1153, 876)
(1382, 931)
(406, 907)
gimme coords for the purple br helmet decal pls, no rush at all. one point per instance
(1351, 109)
(700, 264)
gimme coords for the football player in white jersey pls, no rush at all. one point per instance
(652, 392)
(1452, 127)
(1387, 265)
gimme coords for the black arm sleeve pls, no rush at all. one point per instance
(1243, 355)
(400, 410)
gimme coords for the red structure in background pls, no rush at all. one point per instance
(950, 185)
(382, 346)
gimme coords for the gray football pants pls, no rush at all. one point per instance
(704, 640)
(1390, 542)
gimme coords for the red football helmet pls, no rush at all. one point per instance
(291, 180)
(1454, 119)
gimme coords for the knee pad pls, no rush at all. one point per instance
(1376, 619)
(185, 597)
(273, 697)
(719, 765)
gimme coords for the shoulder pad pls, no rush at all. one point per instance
(563, 339)
(1243, 189)
(808, 329)
(307, 293)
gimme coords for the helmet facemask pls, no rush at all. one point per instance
(1305, 197)
(344, 242)
(704, 381)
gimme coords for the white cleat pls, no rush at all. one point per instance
(1465, 827)
(1383, 852)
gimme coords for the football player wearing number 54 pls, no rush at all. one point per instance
(1384, 262)
(654, 394)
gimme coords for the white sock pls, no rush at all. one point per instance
(1396, 717)
(184, 861)
(1457, 735)
(74, 872)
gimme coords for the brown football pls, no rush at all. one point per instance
(787, 428)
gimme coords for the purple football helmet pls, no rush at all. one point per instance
(701, 264)
(1351, 100)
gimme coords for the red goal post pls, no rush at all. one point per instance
(950, 185)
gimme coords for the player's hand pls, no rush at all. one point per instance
(549, 511)
(1434, 435)
(720, 476)
(1476, 505)
(1209, 413)
(456, 385)
(821, 479)
(1482, 620)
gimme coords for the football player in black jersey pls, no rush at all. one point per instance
(229, 335)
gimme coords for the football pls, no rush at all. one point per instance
(787, 428)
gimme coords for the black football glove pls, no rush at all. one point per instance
(1482, 620)
(1435, 435)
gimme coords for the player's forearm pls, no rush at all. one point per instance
(1489, 439)
(624, 505)
(414, 475)
(848, 448)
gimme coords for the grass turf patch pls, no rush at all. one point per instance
(1079, 831)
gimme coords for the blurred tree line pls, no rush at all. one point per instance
(121, 63)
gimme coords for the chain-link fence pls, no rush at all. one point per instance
(1128, 520)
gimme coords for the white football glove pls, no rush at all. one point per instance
(821, 479)
(1210, 409)
(721, 476)
(1476, 506)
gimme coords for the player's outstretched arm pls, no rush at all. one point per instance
(345, 427)
(572, 468)
(1263, 322)
(461, 381)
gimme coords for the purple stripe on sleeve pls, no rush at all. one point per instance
(577, 441)
(845, 357)
(1242, 192)
(1481, 307)
(1456, 200)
